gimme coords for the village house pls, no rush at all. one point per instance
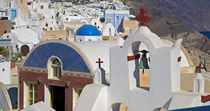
(116, 18)
(74, 59)
(129, 27)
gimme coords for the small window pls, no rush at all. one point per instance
(55, 68)
(67, 19)
(42, 7)
(109, 19)
(46, 24)
(110, 31)
(32, 93)
(117, 19)
(130, 31)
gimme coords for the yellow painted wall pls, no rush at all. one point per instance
(144, 78)
(187, 82)
(207, 86)
(187, 70)
(73, 25)
(123, 107)
(131, 25)
(54, 34)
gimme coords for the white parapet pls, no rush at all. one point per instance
(5, 72)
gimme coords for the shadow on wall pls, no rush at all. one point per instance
(139, 64)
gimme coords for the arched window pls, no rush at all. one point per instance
(42, 7)
(24, 49)
(110, 31)
(32, 93)
(109, 20)
(54, 68)
(117, 19)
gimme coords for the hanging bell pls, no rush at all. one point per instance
(143, 61)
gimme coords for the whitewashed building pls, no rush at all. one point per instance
(164, 91)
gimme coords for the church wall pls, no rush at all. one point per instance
(42, 79)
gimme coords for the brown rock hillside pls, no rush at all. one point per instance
(180, 19)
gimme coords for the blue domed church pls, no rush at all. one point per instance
(88, 33)
(54, 72)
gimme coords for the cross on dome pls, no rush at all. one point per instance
(142, 17)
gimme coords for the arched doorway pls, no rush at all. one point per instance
(24, 50)
(119, 107)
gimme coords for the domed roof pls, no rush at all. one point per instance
(88, 30)
(70, 58)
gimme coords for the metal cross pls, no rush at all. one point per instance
(99, 62)
(143, 18)
(200, 67)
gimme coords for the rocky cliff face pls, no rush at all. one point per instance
(180, 19)
(197, 46)
(194, 13)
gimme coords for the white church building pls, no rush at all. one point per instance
(164, 91)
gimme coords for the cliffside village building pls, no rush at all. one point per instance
(83, 58)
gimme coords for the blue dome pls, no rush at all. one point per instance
(88, 30)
